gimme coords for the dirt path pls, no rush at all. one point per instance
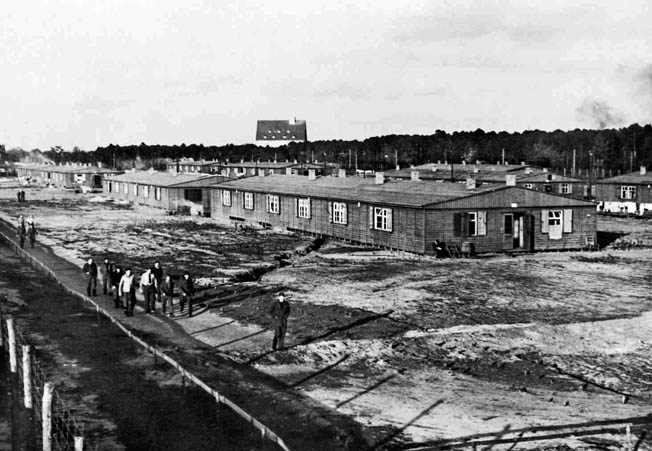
(139, 405)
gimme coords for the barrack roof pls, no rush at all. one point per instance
(164, 178)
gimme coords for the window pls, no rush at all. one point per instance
(109, 186)
(125, 188)
(303, 208)
(528, 185)
(249, 201)
(273, 204)
(339, 215)
(157, 192)
(554, 218)
(565, 188)
(135, 190)
(226, 198)
(380, 218)
(192, 195)
(471, 223)
(508, 227)
(146, 191)
(628, 192)
(547, 188)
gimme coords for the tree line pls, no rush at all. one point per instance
(606, 151)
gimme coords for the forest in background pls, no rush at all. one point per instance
(607, 151)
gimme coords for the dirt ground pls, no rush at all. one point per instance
(548, 350)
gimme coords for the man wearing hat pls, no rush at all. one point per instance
(279, 311)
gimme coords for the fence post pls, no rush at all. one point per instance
(46, 414)
(27, 375)
(79, 443)
(11, 336)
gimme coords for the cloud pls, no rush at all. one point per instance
(599, 113)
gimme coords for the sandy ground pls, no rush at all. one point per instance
(546, 349)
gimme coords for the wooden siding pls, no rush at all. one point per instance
(610, 192)
(440, 226)
(171, 198)
(409, 236)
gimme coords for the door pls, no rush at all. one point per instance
(528, 233)
(508, 231)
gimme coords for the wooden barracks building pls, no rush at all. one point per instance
(410, 215)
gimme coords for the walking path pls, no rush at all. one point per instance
(299, 421)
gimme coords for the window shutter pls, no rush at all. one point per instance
(559, 188)
(296, 207)
(267, 203)
(482, 223)
(635, 192)
(330, 211)
(619, 192)
(390, 222)
(544, 221)
(568, 221)
(345, 214)
(309, 208)
(570, 188)
(465, 224)
(371, 217)
(457, 224)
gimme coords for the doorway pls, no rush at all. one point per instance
(518, 231)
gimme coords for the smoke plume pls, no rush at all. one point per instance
(599, 113)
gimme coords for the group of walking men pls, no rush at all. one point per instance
(26, 229)
(155, 286)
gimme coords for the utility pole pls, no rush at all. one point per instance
(349, 158)
(503, 159)
(396, 159)
(574, 156)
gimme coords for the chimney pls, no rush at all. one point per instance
(342, 173)
(312, 174)
(522, 163)
(528, 170)
(99, 164)
(476, 170)
(554, 177)
(292, 121)
(510, 180)
(545, 169)
(288, 171)
(643, 170)
(470, 183)
(414, 176)
(380, 178)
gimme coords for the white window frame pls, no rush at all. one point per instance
(273, 204)
(555, 217)
(339, 213)
(382, 218)
(157, 192)
(628, 192)
(249, 201)
(565, 188)
(146, 191)
(472, 226)
(226, 197)
(135, 189)
(303, 207)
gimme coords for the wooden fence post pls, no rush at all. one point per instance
(11, 337)
(46, 414)
(79, 443)
(27, 375)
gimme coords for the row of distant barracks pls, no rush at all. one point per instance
(533, 211)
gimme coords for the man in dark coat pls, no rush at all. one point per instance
(279, 311)
(187, 288)
(167, 290)
(21, 233)
(157, 271)
(116, 275)
(90, 268)
(31, 233)
(107, 273)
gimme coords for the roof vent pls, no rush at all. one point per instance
(312, 174)
(380, 178)
(414, 176)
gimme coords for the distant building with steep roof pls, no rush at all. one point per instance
(276, 133)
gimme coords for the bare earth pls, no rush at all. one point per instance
(544, 350)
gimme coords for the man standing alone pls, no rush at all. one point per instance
(279, 311)
(90, 268)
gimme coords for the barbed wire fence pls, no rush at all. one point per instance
(265, 432)
(55, 426)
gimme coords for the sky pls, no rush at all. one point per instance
(88, 73)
